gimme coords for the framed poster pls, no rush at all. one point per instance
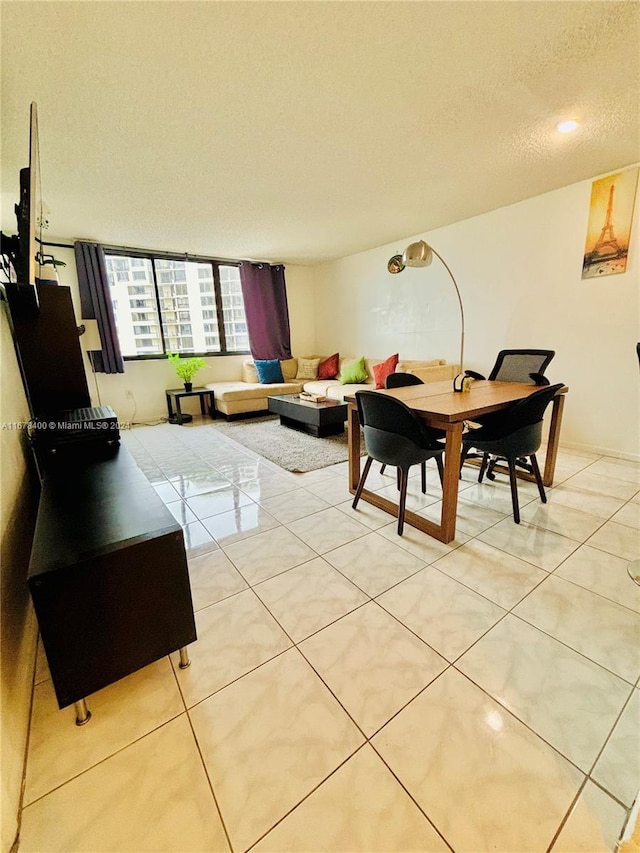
(609, 226)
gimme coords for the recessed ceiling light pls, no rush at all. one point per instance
(567, 126)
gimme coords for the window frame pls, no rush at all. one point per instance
(217, 293)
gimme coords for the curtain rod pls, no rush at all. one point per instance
(57, 245)
(156, 252)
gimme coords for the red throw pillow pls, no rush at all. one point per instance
(328, 369)
(381, 371)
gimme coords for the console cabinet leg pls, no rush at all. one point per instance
(83, 714)
(184, 658)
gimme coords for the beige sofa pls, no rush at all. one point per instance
(247, 396)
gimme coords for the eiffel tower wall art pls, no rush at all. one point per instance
(609, 227)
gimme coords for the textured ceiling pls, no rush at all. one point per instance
(307, 131)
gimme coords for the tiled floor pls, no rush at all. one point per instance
(356, 691)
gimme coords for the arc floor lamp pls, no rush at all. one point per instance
(420, 254)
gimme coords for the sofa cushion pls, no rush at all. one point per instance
(320, 386)
(289, 369)
(269, 371)
(339, 392)
(249, 372)
(435, 373)
(410, 366)
(353, 372)
(329, 368)
(382, 370)
(231, 391)
(307, 368)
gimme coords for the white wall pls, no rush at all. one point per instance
(519, 271)
(17, 620)
(137, 395)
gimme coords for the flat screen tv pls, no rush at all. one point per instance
(23, 249)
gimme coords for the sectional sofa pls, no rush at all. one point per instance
(247, 396)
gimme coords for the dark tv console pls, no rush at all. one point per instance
(108, 575)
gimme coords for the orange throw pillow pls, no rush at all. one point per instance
(328, 369)
(381, 371)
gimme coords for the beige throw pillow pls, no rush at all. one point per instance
(308, 368)
(249, 372)
(289, 369)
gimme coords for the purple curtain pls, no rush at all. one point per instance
(95, 302)
(265, 304)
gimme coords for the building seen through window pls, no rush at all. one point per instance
(170, 305)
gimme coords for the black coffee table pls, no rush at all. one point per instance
(319, 419)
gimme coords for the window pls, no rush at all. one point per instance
(186, 306)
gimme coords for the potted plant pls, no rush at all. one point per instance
(186, 368)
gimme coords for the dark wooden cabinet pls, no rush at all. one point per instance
(108, 575)
(49, 352)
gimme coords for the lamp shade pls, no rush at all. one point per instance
(417, 255)
(420, 254)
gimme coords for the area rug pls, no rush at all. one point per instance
(290, 449)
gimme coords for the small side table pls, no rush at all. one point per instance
(175, 394)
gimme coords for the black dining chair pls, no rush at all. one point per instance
(513, 433)
(402, 380)
(515, 365)
(395, 435)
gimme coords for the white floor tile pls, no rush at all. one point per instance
(267, 486)
(309, 597)
(372, 663)
(327, 530)
(237, 524)
(366, 514)
(374, 563)
(268, 740)
(152, 796)
(600, 484)
(293, 505)
(496, 763)
(618, 768)
(267, 554)
(617, 539)
(496, 575)
(568, 700)
(536, 545)
(472, 518)
(594, 825)
(213, 577)
(444, 613)
(234, 636)
(561, 519)
(223, 499)
(629, 515)
(602, 573)
(361, 808)
(601, 630)
(617, 469)
(420, 544)
(121, 713)
(454, 733)
(566, 494)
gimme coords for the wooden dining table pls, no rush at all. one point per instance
(439, 406)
